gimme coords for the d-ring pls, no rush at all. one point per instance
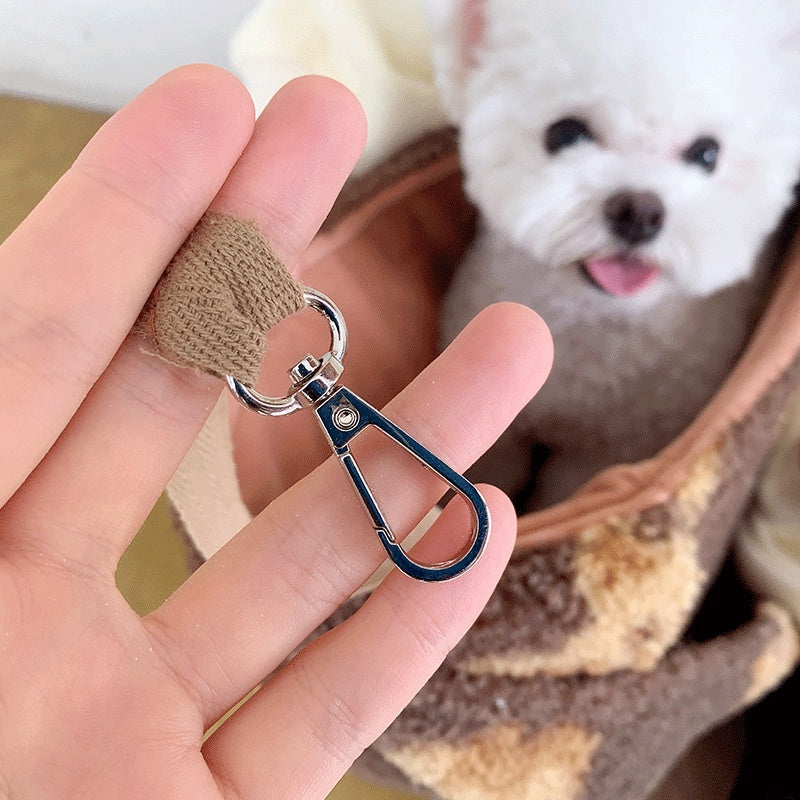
(343, 415)
(280, 406)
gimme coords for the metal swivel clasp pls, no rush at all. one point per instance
(343, 415)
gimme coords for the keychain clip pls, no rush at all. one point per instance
(343, 415)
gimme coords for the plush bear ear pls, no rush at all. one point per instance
(457, 30)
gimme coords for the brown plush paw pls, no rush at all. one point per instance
(582, 737)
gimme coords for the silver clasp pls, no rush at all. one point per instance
(343, 415)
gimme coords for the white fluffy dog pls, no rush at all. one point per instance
(628, 161)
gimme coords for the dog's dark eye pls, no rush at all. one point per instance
(703, 152)
(565, 133)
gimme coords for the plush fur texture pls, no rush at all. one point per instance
(637, 243)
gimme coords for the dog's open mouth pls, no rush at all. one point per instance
(622, 274)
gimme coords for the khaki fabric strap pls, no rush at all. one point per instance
(212, 309)
(204, 491)
(221, 293)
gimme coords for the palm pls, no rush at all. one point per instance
(106, 675)
(97, 702)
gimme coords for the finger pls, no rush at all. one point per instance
(142, 415)
(341, 692)
(274, 583)
(75, 274)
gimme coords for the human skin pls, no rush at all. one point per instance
(97, 702)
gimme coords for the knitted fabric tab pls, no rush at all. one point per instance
(218, 298)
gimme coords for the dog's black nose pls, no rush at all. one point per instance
(634, 217)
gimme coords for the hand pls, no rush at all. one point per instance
(96, 702)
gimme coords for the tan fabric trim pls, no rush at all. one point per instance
(221, 293)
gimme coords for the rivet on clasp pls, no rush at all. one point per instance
(343, 415)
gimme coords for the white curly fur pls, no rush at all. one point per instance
(630, 372)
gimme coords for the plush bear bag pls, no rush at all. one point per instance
(577, 681)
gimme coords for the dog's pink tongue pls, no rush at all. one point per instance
(621, 275)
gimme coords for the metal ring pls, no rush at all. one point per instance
(280, 406)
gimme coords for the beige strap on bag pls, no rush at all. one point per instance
(211, 311)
